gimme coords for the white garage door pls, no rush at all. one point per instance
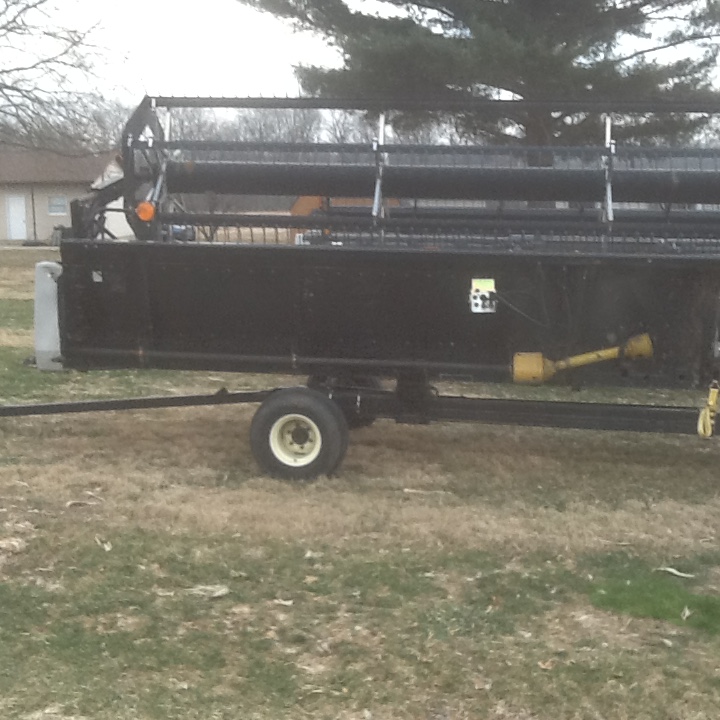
(16, 217)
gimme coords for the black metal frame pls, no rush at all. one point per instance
(221, 397)
(382, 311)
(421, 408)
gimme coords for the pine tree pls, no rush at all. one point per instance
(523, 49)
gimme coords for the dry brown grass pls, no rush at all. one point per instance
(602, 632)
(182, 472)
(16, 338)
(17, 271)
(190, 470)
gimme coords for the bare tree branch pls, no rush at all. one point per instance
(39, 62)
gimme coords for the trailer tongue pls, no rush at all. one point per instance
(414, 262)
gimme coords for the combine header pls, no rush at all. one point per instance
(416, 261)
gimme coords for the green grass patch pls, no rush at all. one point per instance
(330, 631)
(16, 314)
(132, 610)
(632, 586)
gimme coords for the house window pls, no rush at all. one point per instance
(57, 205)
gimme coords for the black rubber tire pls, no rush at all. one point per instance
(308, 409)
(355, 420)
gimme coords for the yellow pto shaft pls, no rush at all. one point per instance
(535, 368)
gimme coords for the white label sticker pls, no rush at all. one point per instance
(483, 298)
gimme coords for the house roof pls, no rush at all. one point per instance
(19, 165)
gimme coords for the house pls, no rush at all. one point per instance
(36, 187)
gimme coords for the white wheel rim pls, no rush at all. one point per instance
(295, 440)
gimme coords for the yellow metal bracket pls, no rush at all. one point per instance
(706, 419)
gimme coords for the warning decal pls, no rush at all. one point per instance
(483, 298)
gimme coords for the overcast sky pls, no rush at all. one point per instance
(213, 47)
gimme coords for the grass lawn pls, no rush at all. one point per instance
(148, 571)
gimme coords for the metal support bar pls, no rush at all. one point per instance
(157, 192)
(221, 397)
(380, 159)
(609, 164)
(234, 362)
(590, 104)
(538, 413)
